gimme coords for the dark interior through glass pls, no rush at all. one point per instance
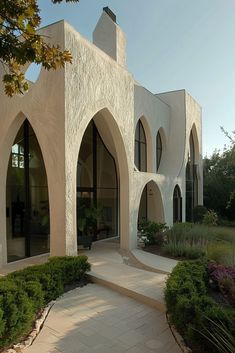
(177, 205)
(159, 150)
(191, 181)
(97, 188)
(140, 148)
(27, 202)
(142, 215)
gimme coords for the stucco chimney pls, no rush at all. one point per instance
(109, 37)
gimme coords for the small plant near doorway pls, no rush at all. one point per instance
(152, 232)
(87, 224)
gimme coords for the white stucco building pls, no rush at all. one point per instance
(89, 134)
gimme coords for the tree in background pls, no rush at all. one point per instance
(219, 180)
(21, 44)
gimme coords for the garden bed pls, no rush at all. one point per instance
(188, 241)
(24, 294)
(205, 324)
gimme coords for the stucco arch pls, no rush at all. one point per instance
(162, 132)
(9, 137)
(5, 150)
(196, 143)
(111, 134)
(154, 202)
(149, 142)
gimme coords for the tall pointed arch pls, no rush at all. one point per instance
(191, 174)
(151, 204)
(140, 147)
(177, 205)
(112, 145)
(143, 146)
(97, 187)
(27, 201)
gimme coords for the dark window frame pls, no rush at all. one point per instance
(191, 179)
(93, 189)
(24, 208)
(158, 150)
(140, 145)
(177, 205)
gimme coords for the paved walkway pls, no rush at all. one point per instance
(108, 268)
(163, 264)
(95, 319)
(98, 319)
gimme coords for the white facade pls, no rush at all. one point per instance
(59, 107)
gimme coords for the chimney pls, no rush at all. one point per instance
(109, 37)
(110, 13)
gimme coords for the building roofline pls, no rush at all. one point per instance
(51, 24)
(175, 90)
(154, 95)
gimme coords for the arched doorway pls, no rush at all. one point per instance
(151, 205)
(27, 201)
(177, 205)
(97, 187)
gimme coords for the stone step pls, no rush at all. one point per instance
(150, 297)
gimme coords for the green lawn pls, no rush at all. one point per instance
(222, 249)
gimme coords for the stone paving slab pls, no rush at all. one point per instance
(109, 269)
(157, 262)
(144, 286)
(94, 319)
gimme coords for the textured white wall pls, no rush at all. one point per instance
(94, 83)
(43, 106)
(59, 107)
(194, 124)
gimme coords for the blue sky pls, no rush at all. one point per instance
(172, 44)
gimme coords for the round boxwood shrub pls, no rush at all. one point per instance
(24, 293)
(17, 312)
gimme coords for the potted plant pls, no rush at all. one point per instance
(87, 224)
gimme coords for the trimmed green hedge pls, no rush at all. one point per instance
(191, 309)
(23, 293)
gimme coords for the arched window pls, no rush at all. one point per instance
(177, 205)
(97, 186)
(191, 181)
(158, 150)
(140, 148)
(151, 205)
(27, 201)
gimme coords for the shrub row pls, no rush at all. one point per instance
(24, 293)
(191, 309)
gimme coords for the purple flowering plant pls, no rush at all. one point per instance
(224, 278)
